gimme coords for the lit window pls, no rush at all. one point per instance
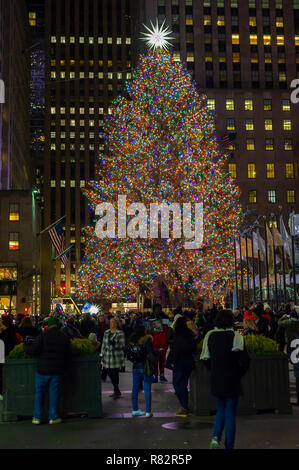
(250, 145)
(279, 22)
(296, 40)
(14, 241)
(73, 184)
(288, 145)
(251, 170)
(249, 125)
(230, 105)
(289, 170)
(211, 104)
(252, 21)
(235, 39)
(53, 39)
(232, 169)
(230, 126)
(291, 196)
(268, 105)
(14, 213)
(286, 105)
(270, 170)
(272, 196)
(269, 144)
(248, 105)
(280, 40)
(53, 110)
(282, 76)
(252, 197)
(128, 40)
(287, 125)
(53, 184)
(82, 184)
(221, 21)
(253, 39)
(267, 40)
(268, 125)
(207, 20)
(189, 21)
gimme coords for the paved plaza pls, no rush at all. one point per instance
(118, 430)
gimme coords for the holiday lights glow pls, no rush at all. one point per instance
(157, 37)
(161, 147)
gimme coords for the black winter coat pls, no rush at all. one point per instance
(53, 349)
(147, 343)
(183, 350)
(226, 366)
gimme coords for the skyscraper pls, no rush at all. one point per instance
(244, 54)
(88, 59)
(15, 160)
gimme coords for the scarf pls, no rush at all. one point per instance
(238, 343)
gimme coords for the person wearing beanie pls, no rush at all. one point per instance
(53, 351)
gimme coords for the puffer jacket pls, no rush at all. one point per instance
(53, 351)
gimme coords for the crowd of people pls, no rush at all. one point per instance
(153, 341)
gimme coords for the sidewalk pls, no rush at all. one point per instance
(118, 430)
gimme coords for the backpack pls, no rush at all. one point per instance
(136, 353)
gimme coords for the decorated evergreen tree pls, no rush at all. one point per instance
(161, 147)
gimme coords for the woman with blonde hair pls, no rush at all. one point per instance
(113, 354)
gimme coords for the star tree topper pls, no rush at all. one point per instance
(157, 37)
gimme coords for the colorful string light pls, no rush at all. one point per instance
(160, 146)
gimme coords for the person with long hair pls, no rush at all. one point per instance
(139, 349)
(183, 347)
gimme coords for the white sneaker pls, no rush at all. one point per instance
(149, 415)
(138, 413)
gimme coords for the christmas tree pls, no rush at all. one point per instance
(161, 147)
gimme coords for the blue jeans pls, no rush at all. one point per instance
(180, 384)
(138, 376)
(41, 384)
(226, 417)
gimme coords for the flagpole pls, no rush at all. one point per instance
(241, 269)
(274, 263)
(253, 270)
(247, 267)
(283, 262)
(51, 226)
(266, 256)
(61, 254)
(294, 261)
(236, 273)
(260, 275)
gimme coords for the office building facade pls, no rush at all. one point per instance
(87, 61)
(244, 55)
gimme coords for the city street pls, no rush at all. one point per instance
(118, 430)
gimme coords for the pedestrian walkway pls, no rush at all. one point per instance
(164, 401)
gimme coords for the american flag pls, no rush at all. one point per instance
(227, 139)
(57, 237)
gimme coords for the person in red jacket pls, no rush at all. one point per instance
(157, 326)
(248, 313)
